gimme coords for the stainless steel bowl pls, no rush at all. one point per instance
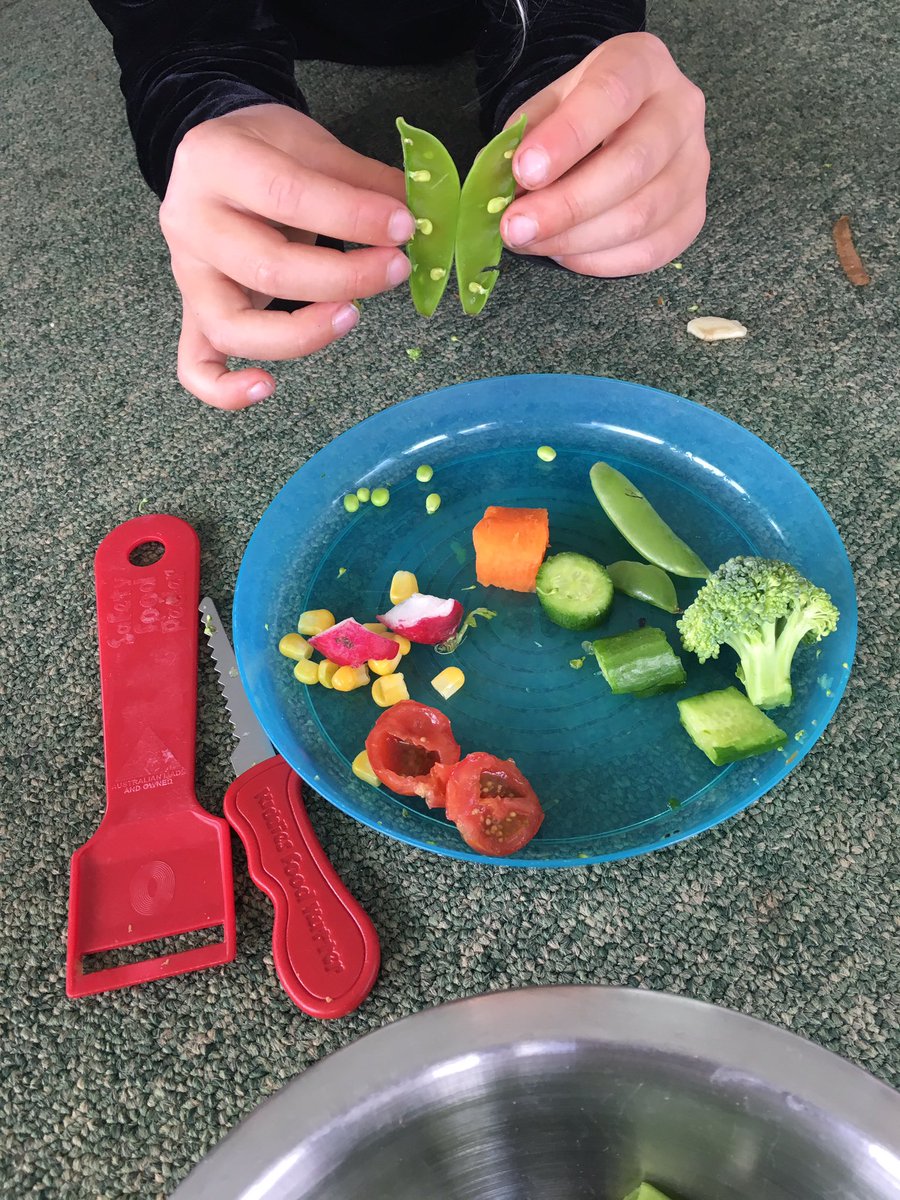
(574, 1093)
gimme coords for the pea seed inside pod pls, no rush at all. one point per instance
(420, 176)
(437, 273)
(498, 203)
(424, 226)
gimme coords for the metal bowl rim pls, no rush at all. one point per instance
(266, 1144)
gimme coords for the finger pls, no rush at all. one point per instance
(609, 92)
(645, 254)
(359, 171)
(203, 371)
(649, 209)
(631, 157)
(541, 104)
(262, 259)
(305, 141)
(235, 328)
(276, 186)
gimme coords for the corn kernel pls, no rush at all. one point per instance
(449, 682)
(403, 585)
(348, 679)
(306, 671)
(362, 769)
(327, 669)
(388, 690)
(386, 666)
(315, 620)
(404, 643)
(375, 627)
(292, 645)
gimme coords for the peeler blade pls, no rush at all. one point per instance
(252, 744)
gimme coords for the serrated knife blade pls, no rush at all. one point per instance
(324, 946)
(252, 744)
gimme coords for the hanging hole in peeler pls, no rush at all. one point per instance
(146, 554)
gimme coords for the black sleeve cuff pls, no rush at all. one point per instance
(560, 35)
(186, 61)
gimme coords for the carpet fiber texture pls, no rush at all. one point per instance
(788, 912)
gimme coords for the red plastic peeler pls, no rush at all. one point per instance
(159, 865)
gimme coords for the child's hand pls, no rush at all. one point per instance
(248, 194)
(614, 161)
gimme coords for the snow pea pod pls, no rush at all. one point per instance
(644, 581)
(432, 196)
(489, 187)
(641, 525)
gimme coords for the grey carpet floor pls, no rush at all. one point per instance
(788, 912)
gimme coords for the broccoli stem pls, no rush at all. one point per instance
(765, 667)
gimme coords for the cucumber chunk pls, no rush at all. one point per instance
(727, 727)
(575, 592)
(640, 662)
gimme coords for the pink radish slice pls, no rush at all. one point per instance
(427, 620)
(350, 644)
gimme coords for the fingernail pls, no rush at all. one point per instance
(398, 270)
(260, 391)
(344, 319)
(401, 226)
(532, 166)
(520, 230)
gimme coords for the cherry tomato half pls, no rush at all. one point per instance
(492, 804)
(411, 749)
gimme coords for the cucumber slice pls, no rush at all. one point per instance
(727, 727)
(575, 592)
(639, 663)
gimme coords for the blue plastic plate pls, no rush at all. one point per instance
(616, 776)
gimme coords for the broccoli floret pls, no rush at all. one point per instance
(763, 609)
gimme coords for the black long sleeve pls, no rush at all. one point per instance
(559, 35)
(185, 61)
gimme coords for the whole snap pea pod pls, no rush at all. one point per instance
(432, 196)
(488, 189)
(641, 525)
(644, 581)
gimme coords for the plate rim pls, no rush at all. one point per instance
(465, 854)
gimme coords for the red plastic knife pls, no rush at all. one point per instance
(325, 947)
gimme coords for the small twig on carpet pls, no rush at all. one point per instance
(851, 263)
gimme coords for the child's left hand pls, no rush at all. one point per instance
(614, 163)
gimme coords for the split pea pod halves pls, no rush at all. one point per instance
(641, 525)
(488, 189)
(432, 196)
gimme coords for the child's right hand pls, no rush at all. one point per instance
(248, 194)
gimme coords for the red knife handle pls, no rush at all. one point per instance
(147, 632)
(325, 947)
